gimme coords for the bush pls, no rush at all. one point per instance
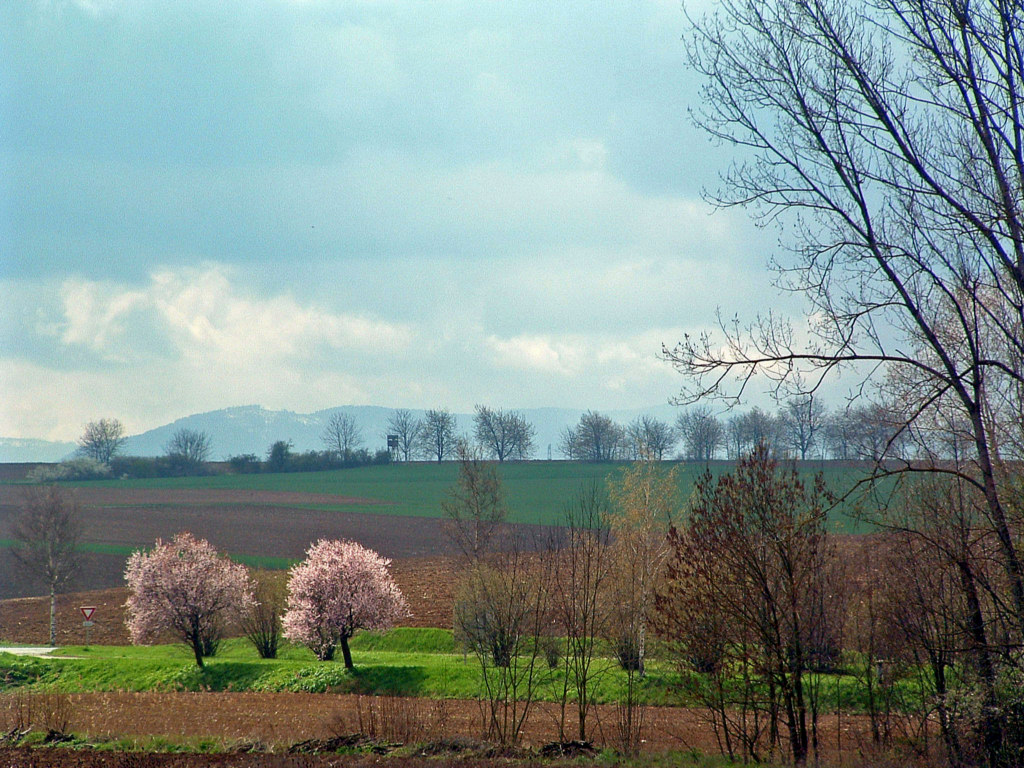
(81, 468)
(627, 651)
(157, 466)
(245, 464)
(261, 622)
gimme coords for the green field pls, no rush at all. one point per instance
(537, 492)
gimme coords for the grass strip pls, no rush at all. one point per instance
(402, 662)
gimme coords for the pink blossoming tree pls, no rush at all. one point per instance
(340, 587)
(185, 587)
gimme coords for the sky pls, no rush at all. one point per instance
(304, 204)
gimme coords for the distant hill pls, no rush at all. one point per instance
(252, 429)
(16, 449)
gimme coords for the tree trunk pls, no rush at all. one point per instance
(990, 727)
(53, 616)
(197, 647)
(346, 653)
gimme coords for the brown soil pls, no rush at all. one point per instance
(254, 523)
(426, 582)
(278, 720)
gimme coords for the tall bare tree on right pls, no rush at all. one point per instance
(887, 138)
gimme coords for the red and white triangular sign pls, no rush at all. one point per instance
(88, 611)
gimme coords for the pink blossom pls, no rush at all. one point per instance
(340, 587)
(184, 587)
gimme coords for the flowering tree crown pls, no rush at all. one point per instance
(340, 587)
(185, 587)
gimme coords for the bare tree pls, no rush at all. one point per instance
(47, 533)
(643, 504)
(746, 431)
(751, 568)
(475, 506)
(102, 439)
(838, 435)
(701, 433)
(580, 590)
(595, 438)
(407, 428)
(503, 435)
(191, 445)
(437, 439)
(887, 139)
(875, 432)
(802, 422)
(649, 438)
(500, 614)
(342, 435)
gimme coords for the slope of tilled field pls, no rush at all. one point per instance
(426, 582)
(258, 524)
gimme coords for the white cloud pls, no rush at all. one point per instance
(206, 317)
(536, 352)
(96, 316)
(384, 202)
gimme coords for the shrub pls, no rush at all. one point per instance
(261, 621)
(81, 468)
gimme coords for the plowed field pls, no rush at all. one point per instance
(426, 583)
(256, 524)
(278, 720)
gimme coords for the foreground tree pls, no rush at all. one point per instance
(750, 581)
(888, 138)
(102, 439)
(340, 587)
(643, 502)
(46, 535)
(580, 595)
(500, 615)
(184, 587)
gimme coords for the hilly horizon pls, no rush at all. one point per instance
(253, 429)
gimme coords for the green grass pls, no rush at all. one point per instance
(536, 491)
(401, 662)
(123, 550)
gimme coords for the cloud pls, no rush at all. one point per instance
(537, 353)
(307, 204)
(204, 317)
(96, 316)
